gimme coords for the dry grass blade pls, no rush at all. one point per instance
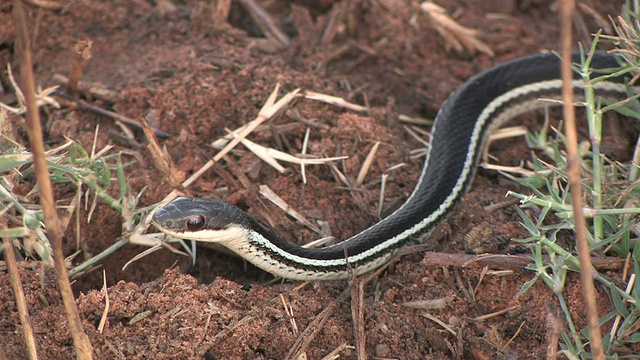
(616, 322)
(383, 189)
(367, 164)
(220, 143)
(264, 154)
(320, 242)
(46, 4)
(600, 20)
(270, 155)
(500, 134)
(267, 129)
(157, 246)
(335, 353)
(333, 100)
(268, 110)
(440, 303)
(305, 144)
(270, 107)
(629, 39)
(516, 170)
(42, 96)
(440, 322)
(339, 176)
(505, 346)
(506, 133)
(221, 11)
(265, 114)
(494, 314)
(288, 310)
(414, 134)
(414, 120)
(335, 20)
(278, 201)
(458, 37)
(105, 313)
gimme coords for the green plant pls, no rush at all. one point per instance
(93, 175)
(612, 205)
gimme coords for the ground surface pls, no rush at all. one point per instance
(197, 75)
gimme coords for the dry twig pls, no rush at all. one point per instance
(110, 114)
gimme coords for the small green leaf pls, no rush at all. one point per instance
(14, 232)
(122, 179)
(618, 303)
(527, 286)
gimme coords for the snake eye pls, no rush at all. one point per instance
(195, 222)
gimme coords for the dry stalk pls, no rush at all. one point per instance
(81, 53)
(554, 325)
(80, 339)
(573, 173)
(161, 159)
(357, 315)
(105, 313)
(18, 293)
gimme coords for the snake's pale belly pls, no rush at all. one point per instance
(459, 133)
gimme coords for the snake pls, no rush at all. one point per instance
(458, 136)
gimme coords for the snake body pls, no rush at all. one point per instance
(459, 134)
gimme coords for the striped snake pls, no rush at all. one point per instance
(459, 134)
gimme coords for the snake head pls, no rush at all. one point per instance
(188, 218)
